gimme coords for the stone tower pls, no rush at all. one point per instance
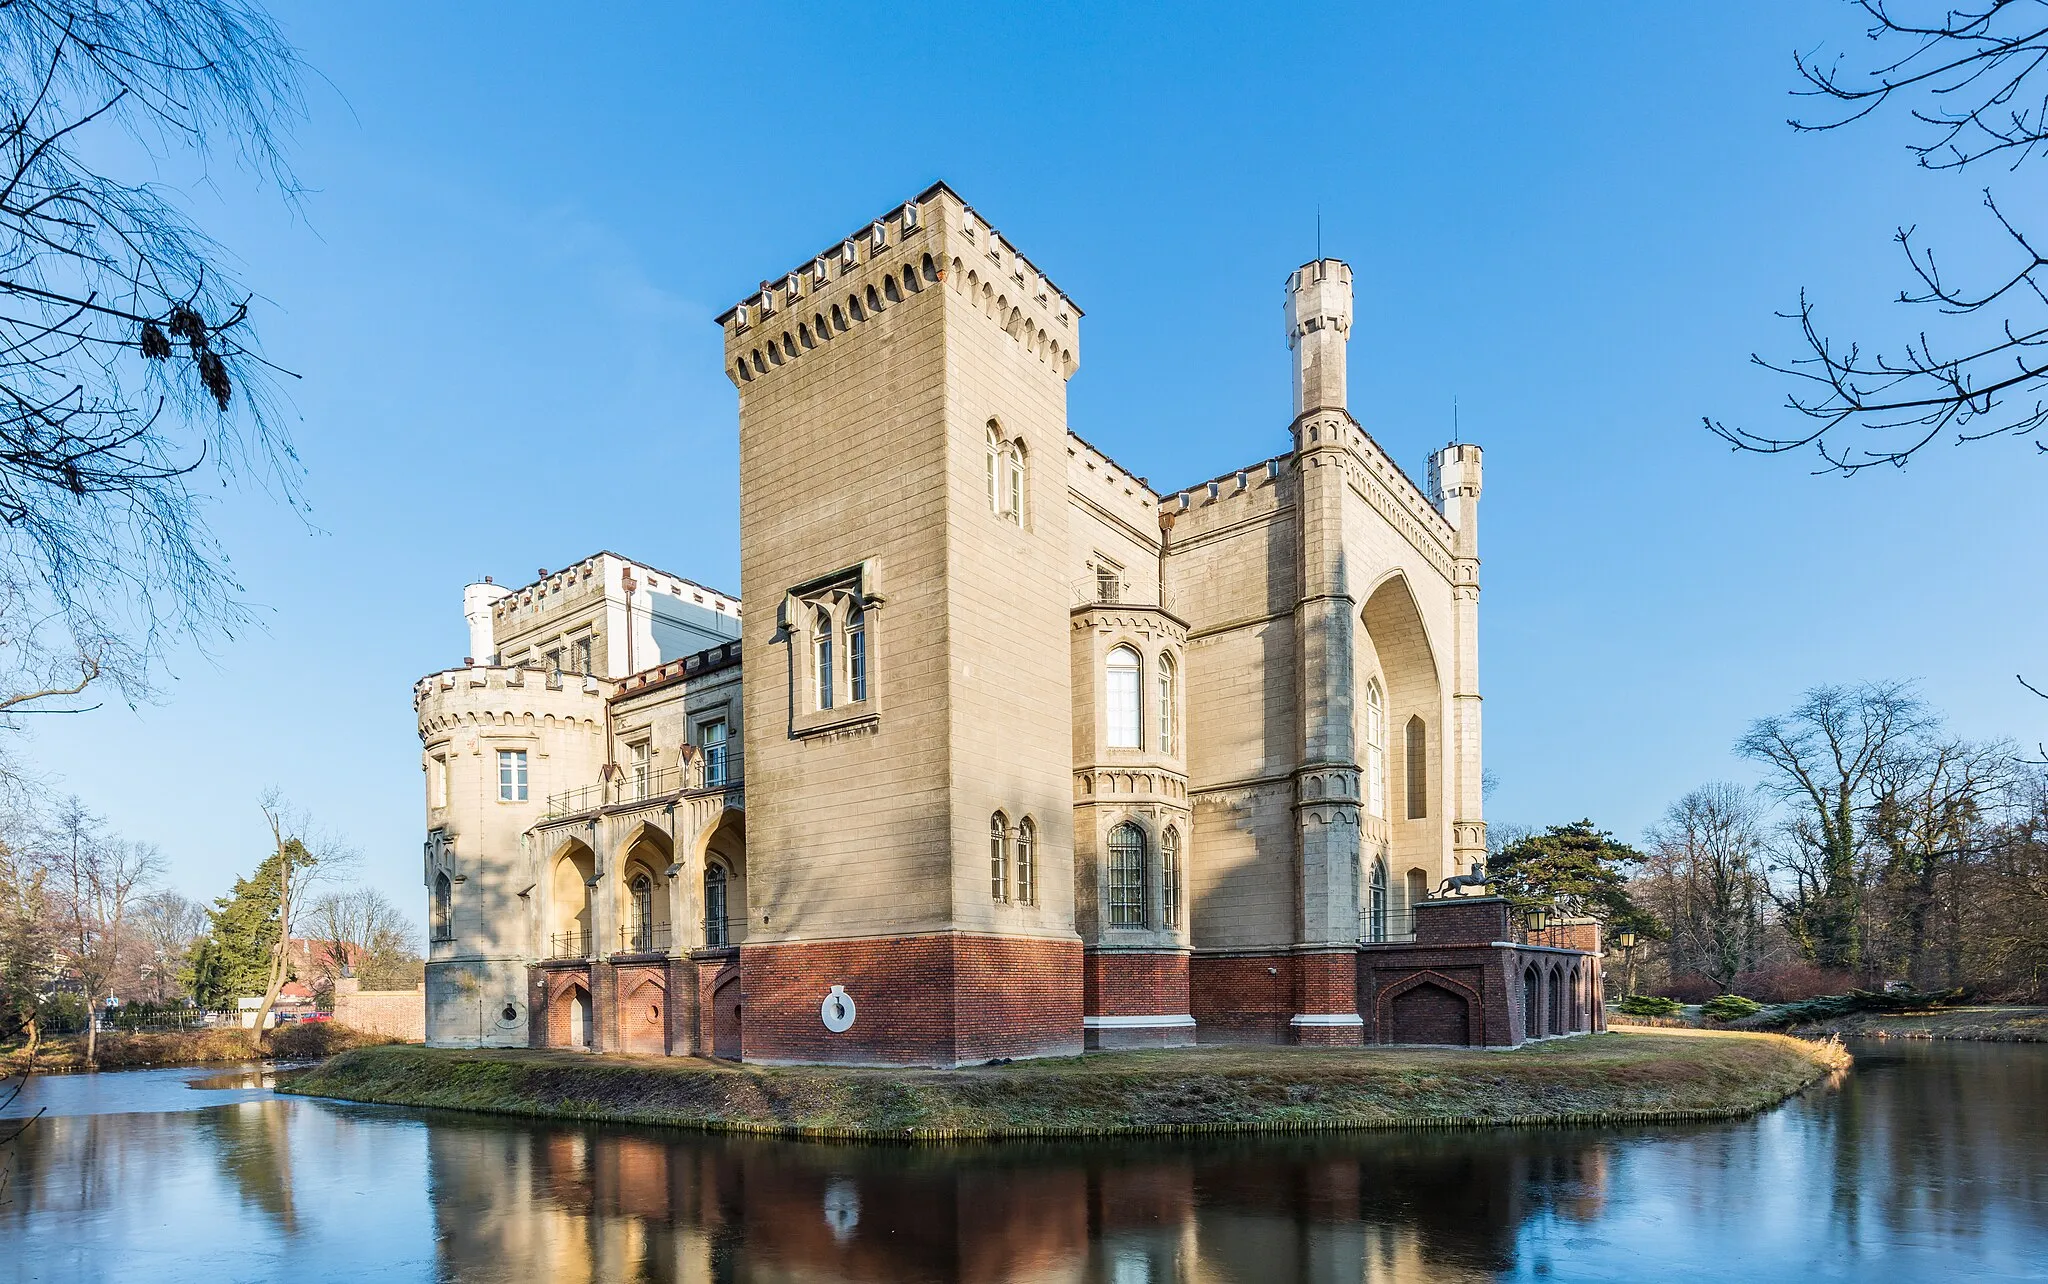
(903, 535)
(1327, 781)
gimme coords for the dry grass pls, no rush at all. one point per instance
(1599, 1078)
(1990, 1024)
(309, 1041)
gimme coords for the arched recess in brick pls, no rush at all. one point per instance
(1431, 1008)
(569, 1013)
(643, 1012)
(728, 1015)
(1394, 643)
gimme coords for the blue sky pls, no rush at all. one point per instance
(1574, 220)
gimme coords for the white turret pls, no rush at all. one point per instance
(477, 601)
(1318, 327)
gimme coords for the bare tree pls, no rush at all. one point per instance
(306, 860)
(354, 926)
(1965, 77)
(1708, 879)
(1930, 812)
(1823, 756)
(170, 924)
(128, 360)
(97, 881)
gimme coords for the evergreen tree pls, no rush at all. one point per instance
(233, 959)
(1579, 870)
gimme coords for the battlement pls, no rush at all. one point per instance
(497, 695)
(703, 663)
(1454, 473)
(549, 594)
(934, 239)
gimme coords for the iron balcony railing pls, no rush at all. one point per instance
(644, 938)
(721, 932)
(716, 767)
(1386, 927)
(569, 945)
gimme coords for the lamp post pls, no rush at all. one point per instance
(1626, 940)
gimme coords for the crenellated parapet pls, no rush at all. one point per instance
(522, 695)
(934, 240)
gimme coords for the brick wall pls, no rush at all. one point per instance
(1241, 998)
(943, 999)
(400, 1014)
(1473, 920)
(1128, 984)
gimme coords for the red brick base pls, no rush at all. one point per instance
(946, 999)
(1136, 1000)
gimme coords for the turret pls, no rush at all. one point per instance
(1318, 327)
(477, 601)
(1454, 479)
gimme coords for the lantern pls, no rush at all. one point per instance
(1539, 918)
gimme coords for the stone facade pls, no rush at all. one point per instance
(1030, 756)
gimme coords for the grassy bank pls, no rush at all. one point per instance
(1989, 1024)
(310, 1041)
(1596, 1079)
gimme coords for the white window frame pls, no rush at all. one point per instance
(1167, 679)
(1169, 877)
(1027, 862)
(1375, 749)
(1127, 881)
(1123, 703)
(513, 778)
(714, 750)
(999, 858)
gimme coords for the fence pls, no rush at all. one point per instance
(136, 1018)
(643, 938)
(1386, 927)
(569, 945)
(717, 767)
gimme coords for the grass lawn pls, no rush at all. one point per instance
(1596, 1078)
(1990, 1023)
(307, 1041)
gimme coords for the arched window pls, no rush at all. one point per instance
(856, 655)
(821, 645)
(999, 857)
(1167, 702)
(1120, 689)
(641, 927)
(1126, 876)
(1375, 749)
(1169, 877)
(1418, 770)
(1027, 862)
(716, 931)
(1376, 903)
(444, 908)
(1006, 488)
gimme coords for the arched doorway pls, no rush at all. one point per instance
(569, 1016)
(568, 922)
(1559, 1012)
(643, 893)
(723, 866)
(1429, 1013)
(1532, 1005)
(727, 1013)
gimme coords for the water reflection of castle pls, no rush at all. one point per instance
(574, 1204)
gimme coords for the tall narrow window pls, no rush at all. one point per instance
(1013, 467)
(511, 775)
(641, 926)
(995, 469)
(1027, 862)
(1418, 770)
(444, 908)
(1126, 876)
(711, 739)
(583, 657)
(1167, 704)
(1109, 583)
(856, 655)
(1169, 876)
(716, 932)
(643, 761)
(1375, 749)
(1121, 690)
(1376, 903)
(822, 657)
(998, 857)
(437, 782)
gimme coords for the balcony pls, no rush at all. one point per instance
(1388, 927)
(644, 938)
(715, 768)
(569, 945)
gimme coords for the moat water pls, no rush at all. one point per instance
(1928, 1162)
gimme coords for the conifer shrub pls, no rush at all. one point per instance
(1730, 1007)
(1649, 1005)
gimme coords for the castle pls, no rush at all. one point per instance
(1008, 754)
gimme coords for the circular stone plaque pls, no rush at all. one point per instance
(837, 1010)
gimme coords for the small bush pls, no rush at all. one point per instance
(1649, 1005)
(1730, 1007)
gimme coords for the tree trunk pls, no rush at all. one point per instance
(92, 1031)
(281, 953)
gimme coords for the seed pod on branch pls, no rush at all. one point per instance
(187, 325)
(156, 345)
(213, 375)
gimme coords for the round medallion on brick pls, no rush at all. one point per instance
(837, 1010)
